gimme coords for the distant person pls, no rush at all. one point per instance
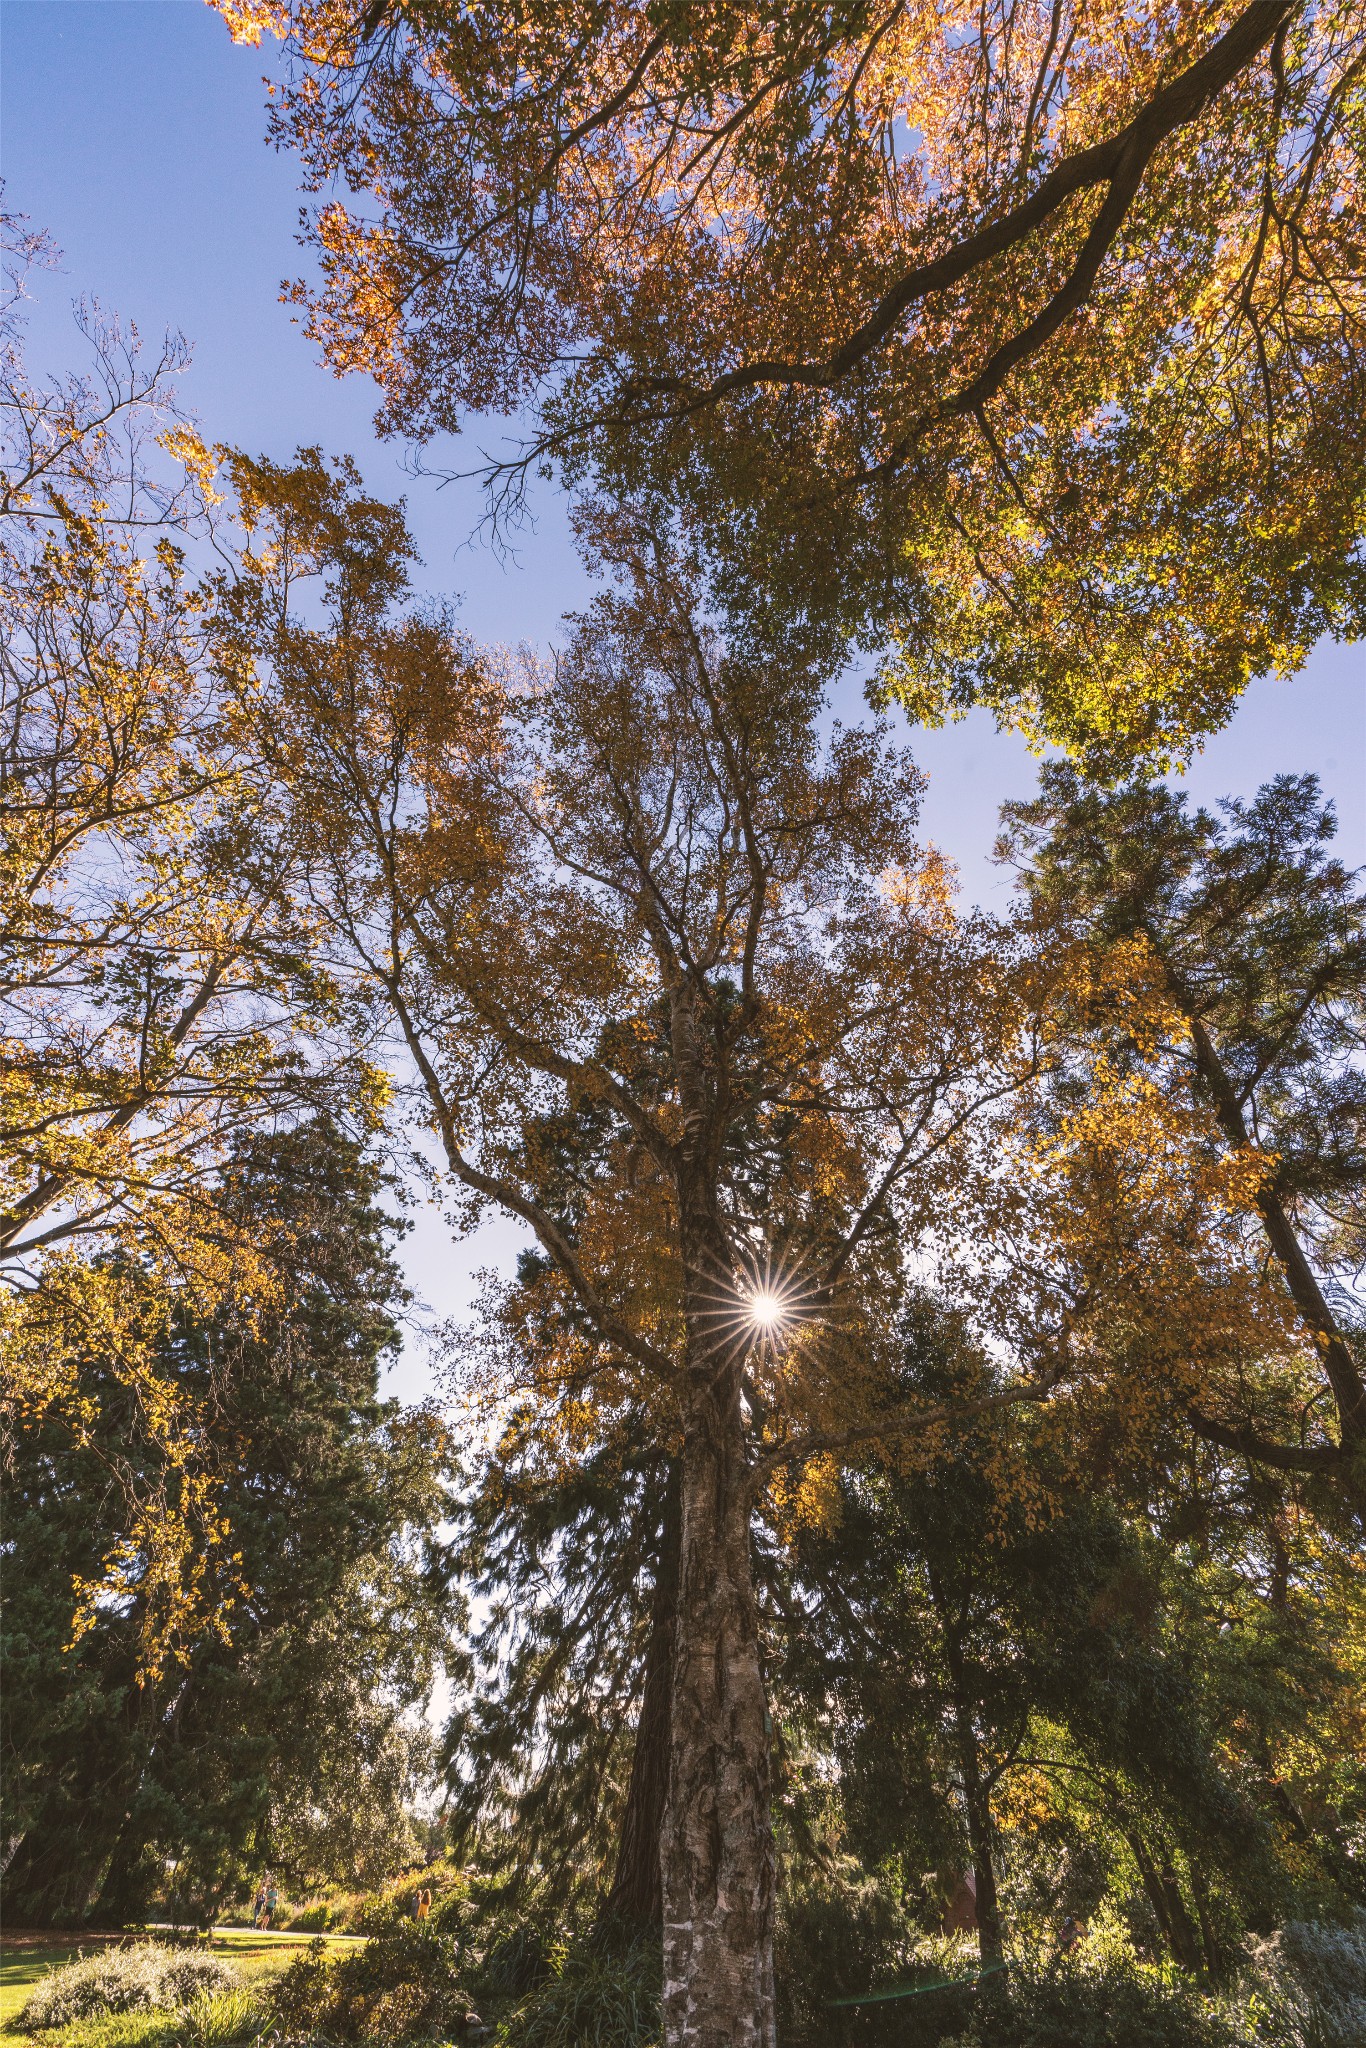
(270, 1900)
(424, 1903)
(1069, 1934)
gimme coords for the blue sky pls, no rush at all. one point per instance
(133, 132)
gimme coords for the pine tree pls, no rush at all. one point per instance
(1259, 937)
(335, 1616)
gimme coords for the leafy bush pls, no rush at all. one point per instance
(403, 1984)
(845, 1934)
(591, 1999)
(515, 1958)
(1311, 1979)
(1119, 2005)
(188, 1976)
(146, 1978)
(854, 1937)
(317, 1918)
(420, 1981)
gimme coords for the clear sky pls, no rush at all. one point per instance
(132, 131)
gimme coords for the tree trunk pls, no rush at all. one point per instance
(1185, 1941)
(976, 1790)
(718, 1860)
(636, 1898)
(989, 1940)
(1152, 1885)
(1209, 1940)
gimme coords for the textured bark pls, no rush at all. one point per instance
(1209, 1940)
(1164, 1893)
(976, 1786)
(718, 1862)
(1152, 1885)
(977, 1806)
(636, 1897)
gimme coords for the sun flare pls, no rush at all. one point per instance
(766, 1309)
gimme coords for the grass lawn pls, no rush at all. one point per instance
(25, 1959)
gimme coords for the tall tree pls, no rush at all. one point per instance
(158, 994)
(674, 985)
(328, 1630)
(635, 881)
(1260, 938)
(576, 1570)
(1029, 335)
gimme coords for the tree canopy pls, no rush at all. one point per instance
(279, 1733)
(1260, 938)
(927, 1417)
(1027, 338)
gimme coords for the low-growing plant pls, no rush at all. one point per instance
(515, 1956)
(146, 1977)
(404, 1984)
(1120, 2004)
(317, 1918)
(593, 1997)
(226, 2019)
(846, 1934)
(1308, 1985)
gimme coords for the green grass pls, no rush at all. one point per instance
(229, 2019)
(20, 1971)
(253, 1955)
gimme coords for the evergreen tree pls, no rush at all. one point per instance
(1013, 1681)
(278, 1727)
(1261, 938)
(558, 1749)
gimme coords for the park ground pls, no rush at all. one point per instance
(25, 1957)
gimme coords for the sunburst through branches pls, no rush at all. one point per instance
(764, 1307)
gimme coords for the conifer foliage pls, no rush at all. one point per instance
(1259, 933)
(283, 1733)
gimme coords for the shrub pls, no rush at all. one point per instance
(1119, 2005)
(516, 1957)
(592, 1999)
(1314, 1979)
(853, 1936)
(846, 1934)
(188, 1975)
(401, 1985)
(146, 1978)
(317, 1918)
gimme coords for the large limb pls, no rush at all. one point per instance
(1259, 1450)
(1118, 165)
(508, 1196)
